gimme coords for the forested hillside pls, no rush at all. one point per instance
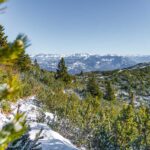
(126, 83)
(88, 110)
(95, 111)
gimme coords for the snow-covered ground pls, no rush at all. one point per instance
(52, 140)
(37, 119)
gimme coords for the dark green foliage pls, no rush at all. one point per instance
(36, 64)
(62, 72)
(23, 62)
(24, 39)
(143, 125)
(10, 86)
(130, 130)
(10, 132)
(132, 98)
(11, 52)
(88, 122)
(9, 77)
(25, 143)
(110, 93)
(5, 106)
(124, 82)
(125, 127)
(3, 37)
(93, 88)
(81, 73)
(103, 139)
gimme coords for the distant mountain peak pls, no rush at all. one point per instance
(89, 62)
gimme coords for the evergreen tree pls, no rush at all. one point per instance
(81, 73)
(9, 132)
(93, 88)
(3, 37)
(36, 64)
(8, 53)
(23, 61)
(110, 93)
(11, 52)
(132, 98)
(143, 125)
(62, 72)
(126, 131)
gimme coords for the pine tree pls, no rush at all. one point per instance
(126, 128)
(3, 37)
(9, 132)
(23, 62)
(36, 64)
(132, 98)
(110, 93)
(8, 53)
(81, 73)
(62, 72)
(93, 88)
(11, 52)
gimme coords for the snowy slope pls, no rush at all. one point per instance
(52, 140)
(37, 119)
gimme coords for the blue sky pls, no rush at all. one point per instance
(75, 26)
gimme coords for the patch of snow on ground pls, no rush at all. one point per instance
(34, 113)
(3, 120)
(52, 140)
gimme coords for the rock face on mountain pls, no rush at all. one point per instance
(38, 122)
(86, 63)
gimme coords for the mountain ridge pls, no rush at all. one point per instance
(89, 62)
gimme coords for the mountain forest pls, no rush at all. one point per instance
(99, 110)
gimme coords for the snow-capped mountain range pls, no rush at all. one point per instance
(89, 62)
